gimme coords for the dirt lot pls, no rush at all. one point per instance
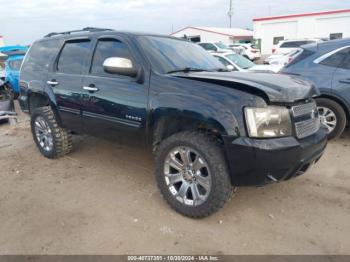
(102, 199)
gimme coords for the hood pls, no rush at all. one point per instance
(277, 87)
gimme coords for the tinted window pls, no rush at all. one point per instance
(277, 39)
(168, 54)
(336, 59)
(335, 36)
(346, 62)
(105, 49)
(72, 57)
(15, 64)
(38, 58)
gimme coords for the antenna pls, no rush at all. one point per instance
(230, 12)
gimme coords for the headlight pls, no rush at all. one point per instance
(271, 121)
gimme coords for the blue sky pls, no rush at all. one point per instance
(27, 20)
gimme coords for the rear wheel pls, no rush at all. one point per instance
(53, 141)
(192, 174)
(332, 116)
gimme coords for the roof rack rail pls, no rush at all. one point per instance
(86, 29)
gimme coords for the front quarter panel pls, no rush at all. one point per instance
(218, 106)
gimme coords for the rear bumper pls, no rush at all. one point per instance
(257, 162)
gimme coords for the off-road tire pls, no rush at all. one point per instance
(338, 111)
(211, 151)
(62, 138)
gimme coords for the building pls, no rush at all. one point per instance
(214, 34)
(331, 24)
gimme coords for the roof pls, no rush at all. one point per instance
(220, 30)
(99, 32)
(302, 15)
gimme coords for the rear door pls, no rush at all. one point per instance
(117, 107)
(65, 79)
(341, 78)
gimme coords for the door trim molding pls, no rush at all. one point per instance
(118, 120)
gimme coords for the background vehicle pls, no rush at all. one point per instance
(209, 128)
(247, 50)
(13, 56)
(327, 64)
(2, 71)
(282, 59)
(239, 63)
(287, 46)
(7, 108)
(215, 47)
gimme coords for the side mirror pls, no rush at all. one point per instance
(120, 66)
(230, 67)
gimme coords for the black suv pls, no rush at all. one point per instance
(210, 129)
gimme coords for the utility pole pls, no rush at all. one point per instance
(230, 12)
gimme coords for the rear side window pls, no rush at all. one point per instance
(72, 57)
(107, 48)
(336, 59)
(38, 58)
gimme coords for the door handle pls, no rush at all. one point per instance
(52, 82)
(90, 88)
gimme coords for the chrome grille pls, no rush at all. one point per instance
(303, 109)
(310, 123)
(307, 128)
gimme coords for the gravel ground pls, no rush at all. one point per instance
(102, 199)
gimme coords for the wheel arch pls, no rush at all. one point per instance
(166, 125)
(41, 99)
(339, 101)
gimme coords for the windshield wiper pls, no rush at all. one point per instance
(186, 70)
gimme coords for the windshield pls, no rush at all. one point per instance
(240, 61)
(169, 54)
(222, 45)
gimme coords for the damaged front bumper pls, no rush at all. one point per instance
(257, 162)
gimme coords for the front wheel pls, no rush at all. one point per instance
(192, 174)
(332, 116)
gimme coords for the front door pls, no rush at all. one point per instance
(113, 106)
(66, 81)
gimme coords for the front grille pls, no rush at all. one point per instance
(310, 122)
(307, 128)
(303, 109)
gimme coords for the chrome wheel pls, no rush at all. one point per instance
(328, 118)
(43, 133)
(187, 176)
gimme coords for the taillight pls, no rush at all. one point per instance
(273, 50)
(254, 51)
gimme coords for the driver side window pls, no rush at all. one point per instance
(107, 48)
